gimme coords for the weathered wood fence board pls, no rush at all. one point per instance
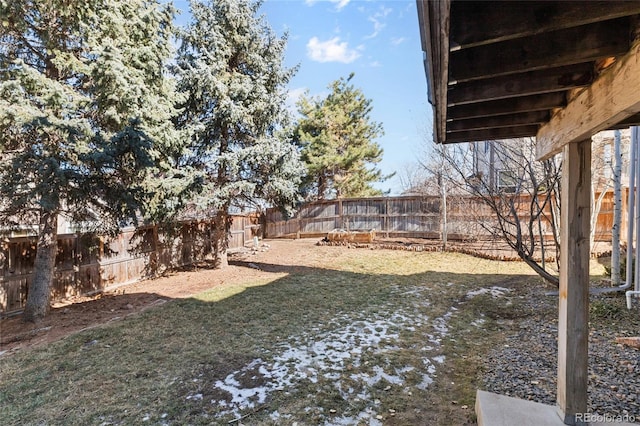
(411, 216)
(389, 216)
(86, 263)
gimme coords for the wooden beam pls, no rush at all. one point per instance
(506, 20)
(511, 120)
(530, 83)
(427, 48)
(491, 134)
(631, 121)
(573, 320)
(433, 18)
(532, 103)
(542, 51)
(612, 98)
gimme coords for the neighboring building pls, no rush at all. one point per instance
(485, 162)
(602, 159)
(497, 165)
(492, 162)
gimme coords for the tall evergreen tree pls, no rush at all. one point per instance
(85, 118)
(230, 68)
(337, 140)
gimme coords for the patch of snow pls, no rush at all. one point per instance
(493, 291)
(326, 353)
(478, 323)
(247, 397)
(439, 359)
(406, 369)
(426, 381)
(419, 292)
(354, 420)
(427, 378)
(195, 397)
(379, 374)
(440, 324)
(441, 328)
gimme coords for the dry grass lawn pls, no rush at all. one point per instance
(336, 337)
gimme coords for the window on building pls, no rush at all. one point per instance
(507, 181)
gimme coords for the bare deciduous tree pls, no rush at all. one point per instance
(523, 194)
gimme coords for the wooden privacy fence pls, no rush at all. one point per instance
(411, 217)
(405, 216)
(86, 263)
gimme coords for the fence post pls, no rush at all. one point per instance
(385, 218)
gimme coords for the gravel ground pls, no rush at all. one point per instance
(525, 366)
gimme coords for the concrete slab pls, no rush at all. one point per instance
(499, 410)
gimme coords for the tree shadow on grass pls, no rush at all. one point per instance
(73, 316)
(163, 364)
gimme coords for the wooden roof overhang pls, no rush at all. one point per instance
(558, 70)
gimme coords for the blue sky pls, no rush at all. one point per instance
(379, 41)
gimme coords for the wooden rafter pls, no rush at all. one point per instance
(492, 134)
(612, 98)
(516, 19)
(541, 102)
(541, 51)
(511, 120)
(530, 83)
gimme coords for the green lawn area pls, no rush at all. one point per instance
(375, 337)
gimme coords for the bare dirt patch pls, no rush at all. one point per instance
(80, 313)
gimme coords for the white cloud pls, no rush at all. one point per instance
(397, 40)
(377, 27)
(377, 19)
(340, 4)
(331, 51)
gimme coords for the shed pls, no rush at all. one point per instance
(557, 70)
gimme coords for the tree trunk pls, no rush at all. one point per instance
(596, 207)
(617, 211)
(546, 275)
(443, 194)
(221, 238)
(322, 187)
(39, 293)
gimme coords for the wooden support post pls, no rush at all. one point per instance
(573, 322)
